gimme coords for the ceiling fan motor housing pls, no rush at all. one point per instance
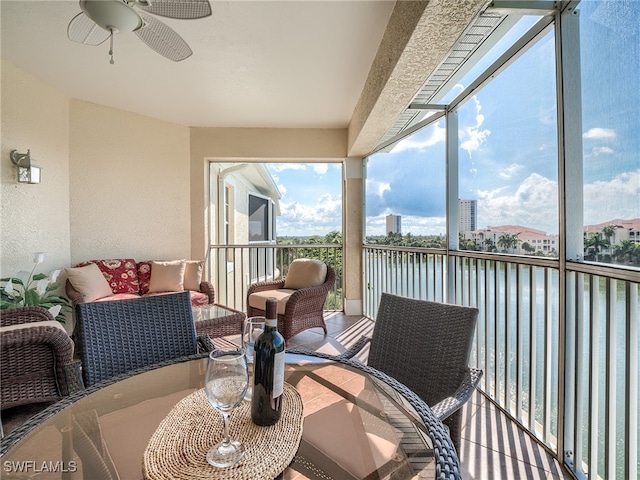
(112, 15)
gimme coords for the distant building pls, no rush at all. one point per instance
(394, 224)
(624, 230)
(467, 215)
(537, 240)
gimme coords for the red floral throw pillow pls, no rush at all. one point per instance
(122, 274)
(144, 276)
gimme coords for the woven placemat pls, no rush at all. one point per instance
(178, 448)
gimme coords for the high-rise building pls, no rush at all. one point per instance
(394, 224)
(467, 215)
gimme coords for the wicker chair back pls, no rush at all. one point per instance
(122, 335)
(426, 346)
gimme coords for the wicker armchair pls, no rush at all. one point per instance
(426, 346)
(122, 335)
(298, 309)
(36, 355)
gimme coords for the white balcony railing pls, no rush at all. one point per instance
(232, 268)
(559, 346)
(569, 375)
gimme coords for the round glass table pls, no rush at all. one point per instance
(358, 424)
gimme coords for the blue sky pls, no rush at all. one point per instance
(507, 155)
(311, 201)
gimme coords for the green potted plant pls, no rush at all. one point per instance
(27, 289)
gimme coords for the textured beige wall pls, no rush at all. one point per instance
(119, 184)
(129, 178)
(34, 217)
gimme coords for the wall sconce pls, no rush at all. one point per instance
(28, 170)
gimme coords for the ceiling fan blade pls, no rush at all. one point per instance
(83, 30)
(183, 9)
(163, 39)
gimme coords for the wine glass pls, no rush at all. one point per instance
(225, 384)
(252, 329)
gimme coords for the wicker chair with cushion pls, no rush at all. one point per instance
(301, 296)
(122, 335)
(36, 355)
(426, 346)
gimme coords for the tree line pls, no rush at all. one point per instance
(597, 246)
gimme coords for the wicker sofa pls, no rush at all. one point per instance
(126, 279)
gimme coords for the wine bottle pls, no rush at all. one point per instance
(268, 365)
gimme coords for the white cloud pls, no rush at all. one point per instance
(282, 189)
(615, 198)
(318, 218)
(599, 134)
(320, 168)
(378, 187)
(473, 137)
(533, 204)
(510, 171)
(279, 167)
(597, 151)
(438, 134)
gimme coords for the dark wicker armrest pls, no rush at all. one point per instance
(17, 316)
(318, 291)
(73, 374)
(450, 405)
(208, 288)
(355, 348)
(262, 286)
(347, 355)
(32, 334)
(205, 344)
(59, 341)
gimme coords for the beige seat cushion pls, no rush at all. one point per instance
(89, 281)
(305, 273)
(167, 276)
(193, 275)
(259, 299)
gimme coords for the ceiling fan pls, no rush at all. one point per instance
(100, 19)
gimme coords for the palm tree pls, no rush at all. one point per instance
(489, 246)
(466, 243)
(624, 251)
(596, 242)
(528, 248)
(508, 240)
(609, 231)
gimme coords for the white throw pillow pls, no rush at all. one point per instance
(167, 276)
(89, 281)
(305, 273)
(193, 275)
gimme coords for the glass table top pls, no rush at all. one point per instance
(355, 426)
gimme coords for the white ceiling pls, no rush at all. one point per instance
(254, 64)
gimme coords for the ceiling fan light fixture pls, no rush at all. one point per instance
(112, 15)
